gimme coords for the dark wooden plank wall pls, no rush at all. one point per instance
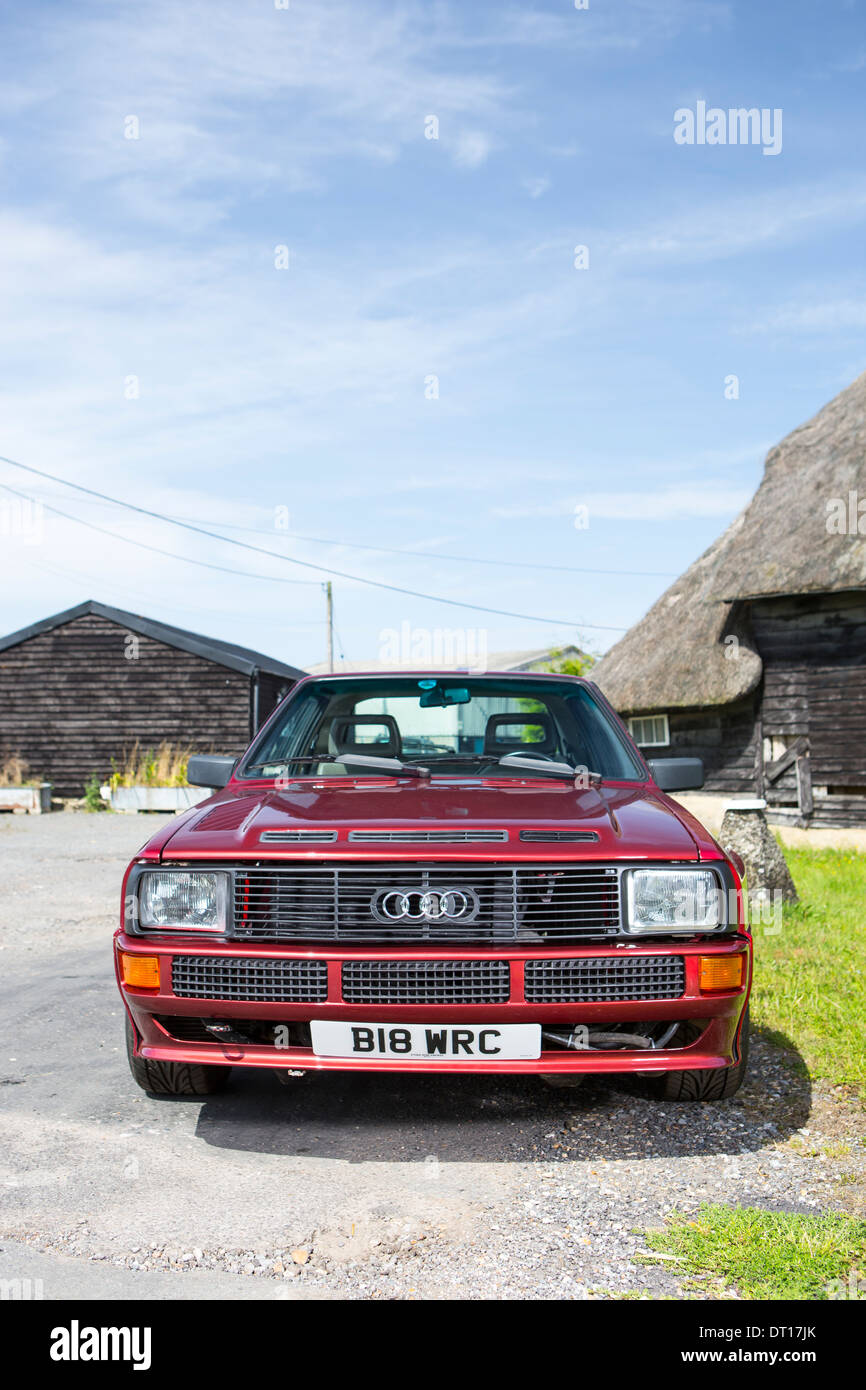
(271, 691)
(814, 653)
(72, 698)
(725, 738)
(814, 686)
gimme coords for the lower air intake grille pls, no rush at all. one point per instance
(274, 981)
(185, 1029)
(591, 981)
(426, 982)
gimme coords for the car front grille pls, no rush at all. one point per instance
(223, 977)
(591, 981)
(455, 902)
(426, 982)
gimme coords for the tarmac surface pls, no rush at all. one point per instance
(339, 1186)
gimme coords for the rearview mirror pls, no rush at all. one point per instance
(206, 770)
(677, 774)
(435, 696)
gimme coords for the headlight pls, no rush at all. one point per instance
(190, 901)
(663, 900)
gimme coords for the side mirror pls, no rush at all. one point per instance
(677, 774)
(205, 770)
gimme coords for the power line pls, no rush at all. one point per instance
(473, 559)
(155, 549)
(305, 564)
(437, 554)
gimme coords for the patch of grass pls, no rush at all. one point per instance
(14, 772)
(810, 980)
(164, 766)
(764, 1254)
(93, 797)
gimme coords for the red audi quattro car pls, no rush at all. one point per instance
(427, 873)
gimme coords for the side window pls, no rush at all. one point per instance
(650, 730)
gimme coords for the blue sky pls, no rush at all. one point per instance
(151, 348)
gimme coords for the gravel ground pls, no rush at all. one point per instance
(354, 1187)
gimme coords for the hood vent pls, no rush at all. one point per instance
(293, 837)
(230, 815)
(547, 837)
(427, 837)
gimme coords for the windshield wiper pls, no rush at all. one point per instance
(552, 769)
(371, 760)
(351, 760)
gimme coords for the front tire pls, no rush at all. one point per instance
(173, 1078)
(712, 1083)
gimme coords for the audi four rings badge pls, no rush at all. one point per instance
(424, 905)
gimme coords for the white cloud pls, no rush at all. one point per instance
(272, 98)
(830, 315)
(536, 188)
(720, 228)
(471, 149)
(678, 502)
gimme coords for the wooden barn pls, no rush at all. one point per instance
(87, 685)
(755, 659)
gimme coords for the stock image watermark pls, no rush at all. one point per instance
(85, 1343)
(846, 516)
(714, 125)
(22, 1290)
(464, 648)
(852, 1289)
(22, 519)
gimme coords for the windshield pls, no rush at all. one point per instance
(460, 725)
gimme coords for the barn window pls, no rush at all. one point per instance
(650, 730)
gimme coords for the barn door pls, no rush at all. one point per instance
(785, 745)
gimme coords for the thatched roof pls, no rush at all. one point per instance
(676, 656)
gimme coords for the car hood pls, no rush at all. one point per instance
(612, 821)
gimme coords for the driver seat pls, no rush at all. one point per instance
(496, 745)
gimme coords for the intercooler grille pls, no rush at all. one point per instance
(430, 837)
(455, 902)
(426, 982)
(223, 977)
(591, 981)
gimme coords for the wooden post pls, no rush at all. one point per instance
(759, 757)
(329, 595)
(804, 786)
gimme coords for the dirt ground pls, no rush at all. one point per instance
(377, 1186)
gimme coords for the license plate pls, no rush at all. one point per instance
(444, 1042)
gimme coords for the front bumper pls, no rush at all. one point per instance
(153, 1011)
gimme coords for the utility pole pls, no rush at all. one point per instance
(329, 596)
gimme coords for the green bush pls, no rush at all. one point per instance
(92, 798)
